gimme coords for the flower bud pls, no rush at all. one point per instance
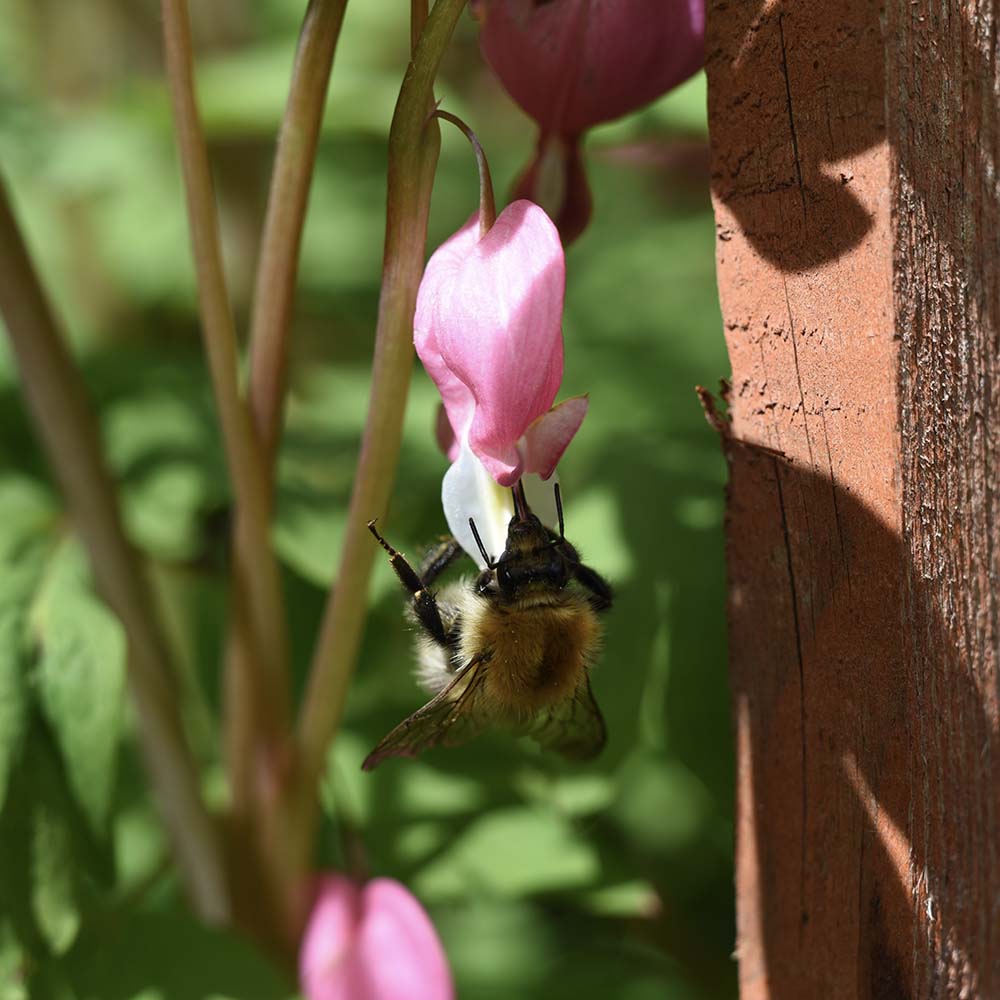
(371, 942)
(572, 64)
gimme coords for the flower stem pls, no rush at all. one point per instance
(68, 428)
(413, 151)
(255, 569)
(274, 289)
(418, 18)
(487, 205)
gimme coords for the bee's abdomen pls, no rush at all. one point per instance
(538, 653)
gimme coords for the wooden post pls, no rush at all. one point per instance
(856, 154)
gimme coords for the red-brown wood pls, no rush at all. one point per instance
(855, 160)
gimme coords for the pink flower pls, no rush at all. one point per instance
(488, 329)
(371, 942)
(572, 64)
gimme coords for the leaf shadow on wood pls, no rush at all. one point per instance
(804, 91)
(852, 842)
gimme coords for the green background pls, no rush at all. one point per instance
(544, 879)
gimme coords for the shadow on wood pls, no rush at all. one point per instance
(855, 186)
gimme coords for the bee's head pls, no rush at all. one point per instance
(532, 560)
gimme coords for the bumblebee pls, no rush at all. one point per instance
(511, 648)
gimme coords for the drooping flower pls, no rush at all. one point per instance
(488, 329)
(371, 942)
(572, 64)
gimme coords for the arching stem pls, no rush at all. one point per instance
(487, 206)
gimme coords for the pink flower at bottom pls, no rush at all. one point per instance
(371, 942)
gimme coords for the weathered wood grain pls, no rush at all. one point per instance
(855, 186)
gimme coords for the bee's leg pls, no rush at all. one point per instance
(601, 595)
(438, 559)
(424, 604)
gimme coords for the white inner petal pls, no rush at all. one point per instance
(468, 490)
(541, 496)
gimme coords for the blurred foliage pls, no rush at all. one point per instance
(546, 880)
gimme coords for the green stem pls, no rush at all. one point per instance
(274, 296)
(418, 18)
(274, 289)
(68, 428)
(255, 569)
(413, 151)
(487, 204)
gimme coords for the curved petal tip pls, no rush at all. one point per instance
(547, 438)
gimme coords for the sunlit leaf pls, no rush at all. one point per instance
(26, 522)
(13, 966)
(53, 892)
(14, 696)
(511, 852)
(81, 678)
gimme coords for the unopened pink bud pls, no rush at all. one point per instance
(371, 942)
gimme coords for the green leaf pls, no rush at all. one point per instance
(661, 804)
(163, 446)
(12, 966)
(80, 678)
(509, 853)
(496, 948)
(14, 697)
(570, 794)
(505, 948)
(636, 898)
(53, 896)
(169, 954)
(26, 520)
(27, 515)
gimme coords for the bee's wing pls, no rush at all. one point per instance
(453, 716)
(573, 727)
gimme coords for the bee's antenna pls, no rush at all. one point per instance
(487, 558)
(559, 510)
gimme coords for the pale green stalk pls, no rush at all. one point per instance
(487, 204)
(277, 267)
(413, 151)
(68, 428)
(270, 338)
(256, 577)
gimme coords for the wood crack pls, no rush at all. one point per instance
(804, 812)
(791, 117)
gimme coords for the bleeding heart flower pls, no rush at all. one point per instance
(488, 329)
(572, 64)
(371, 942)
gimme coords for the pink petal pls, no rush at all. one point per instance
(325, 955)
(488, 330)
(546, 439)
(371, 943)
(445, 261)
(557, 180)
(573, 63)
(399, 947)
(445, 434)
